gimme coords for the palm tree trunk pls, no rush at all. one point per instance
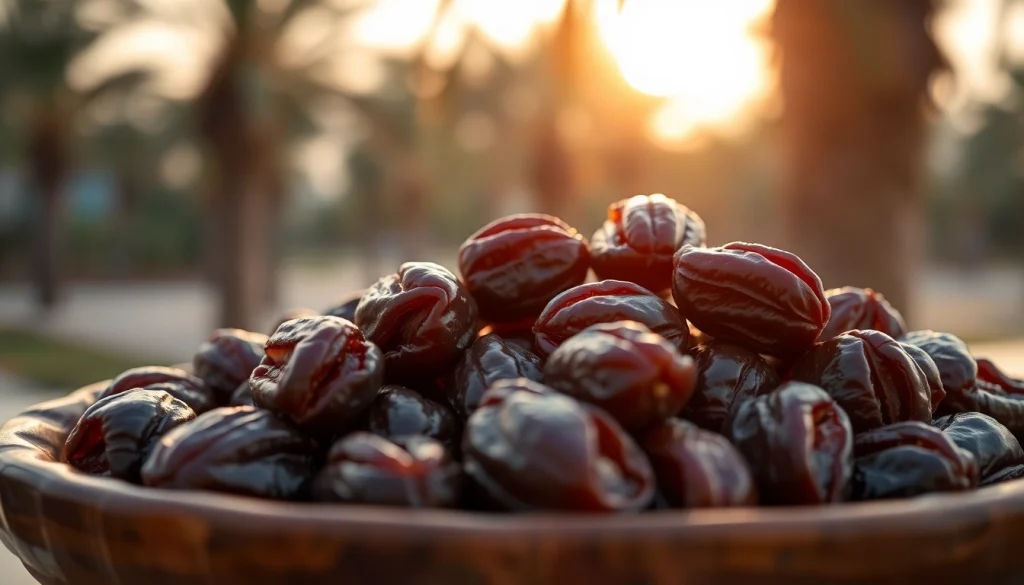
(49, 158)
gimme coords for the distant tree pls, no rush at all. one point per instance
(854, 79)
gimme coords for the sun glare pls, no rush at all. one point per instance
(701, 55)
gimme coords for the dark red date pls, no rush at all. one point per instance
(400, 412)
(413, 472)
(993, 393)
(761, 298)
(241, 396)
(727, 375)
(491, 358)
(176, 382)
(799, 445)
(227, 359)
(907, 459)
(422, 318)
(957, 368)
(871, 376)
(697, 468)
(320, 373)
(639, 238)
(291, 315)
(606, 301)
(861, 308)
(930, 371)
(513, 266)
(624, 368)
(531, 448)
(997, 452)
(116, 433)
(240, 450)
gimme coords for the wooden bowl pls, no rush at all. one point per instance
(69, 528)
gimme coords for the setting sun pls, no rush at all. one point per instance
(701, 55)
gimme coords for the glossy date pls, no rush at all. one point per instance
(227, 359)
(319, 372)
(997, 452)
(624, 368)
(422, 318)
(639, 238)
(413, 472)
(514, 265)
(756, 296)
(530, 448)
(399, 412)
(240, 450)
(491, 358)
(799, 445)
(176, 382)
(606, 301)
(727, 375)
(116, 433)
(698, 468)
(861, 308)
(871, 376)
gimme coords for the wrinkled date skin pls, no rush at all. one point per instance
(239, 450)
(346, 306)
(176, 382)
(491, 358)
(957, 368)
(320, 373)
(997, 452)
(930, 371)
(413, 472)
(762, 298)
(606, 301)
(871, 376)
(799, 445)
(697, 468)
(640, 237)
(514, 265)
(291, 315)
(993, 393)
(633, 374)
(861, 308)
(227, 359)
(727, 375)
(907, 459)
(116, 434)
(531, 448)
(400, 412)
(422, 318)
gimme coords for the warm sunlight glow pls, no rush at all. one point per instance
(702, 55)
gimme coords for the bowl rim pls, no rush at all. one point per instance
(20, 461)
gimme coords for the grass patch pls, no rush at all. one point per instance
(59, 364)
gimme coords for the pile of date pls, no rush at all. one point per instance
(640, 370)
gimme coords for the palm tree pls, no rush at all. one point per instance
(38, 39)
(854, 79)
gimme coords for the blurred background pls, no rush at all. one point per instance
(170, 166)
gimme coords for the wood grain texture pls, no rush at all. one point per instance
(72, 529)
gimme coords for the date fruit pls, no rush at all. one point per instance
(633, 374)
(727, 375)
(413, 472)
(491, 358)
(640, 237)
(241, 396)
(871, 376)
(861, 308)
(606, 301)
(346, 306)
(291, 315)
(400, 412)
(993, 393)
(907, 459)
(227, 359)
(698, 468)
(799, 445)
(116, 433)
(319, 372)
(997, 452)
(514, 265)
(239, 450)
(531, 448)
(761, 298)
(930, 371)
(957, 368)
(422, 318)
(174, 381)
